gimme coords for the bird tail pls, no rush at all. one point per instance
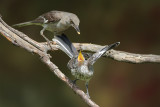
(65, 45)
(98, 54)
(23, 24)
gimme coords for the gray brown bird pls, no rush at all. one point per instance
(54, 21)
(80, 66)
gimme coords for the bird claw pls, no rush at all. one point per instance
(87, 95)
(46, 55)
(49, 44)
(49, 55)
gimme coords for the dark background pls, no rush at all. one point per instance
(26, 82)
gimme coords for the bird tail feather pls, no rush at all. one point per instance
(24, 24)
(65, 45)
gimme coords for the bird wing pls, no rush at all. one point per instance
(98, 54)
(72, 64)
(65, 45)
(48, 17)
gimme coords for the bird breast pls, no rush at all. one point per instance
(56, 27)
(82, 73)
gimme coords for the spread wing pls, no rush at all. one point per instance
(98, 54)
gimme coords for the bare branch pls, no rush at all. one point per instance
(23, 41)
(120, 55)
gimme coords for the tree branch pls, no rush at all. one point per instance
(23, 41)
(116, 55)
(120, 55)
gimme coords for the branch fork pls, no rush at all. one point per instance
(20, 39)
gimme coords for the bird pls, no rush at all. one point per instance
(80, 64)
(55, 22)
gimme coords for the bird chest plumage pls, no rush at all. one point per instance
(56, 27)
(82, 72)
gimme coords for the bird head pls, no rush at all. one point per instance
(74, 21)
(81, 57)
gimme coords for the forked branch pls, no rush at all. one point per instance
(20, 39)
(23, 41)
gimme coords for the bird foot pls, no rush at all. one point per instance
(49, 55)
(88, 95)
(49, 43)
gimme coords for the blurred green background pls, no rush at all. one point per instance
(26, 82)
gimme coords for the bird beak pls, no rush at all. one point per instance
(80, 57)
(78, 32)
(77, 28)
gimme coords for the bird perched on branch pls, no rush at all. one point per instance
(55, 22)
(81, 67)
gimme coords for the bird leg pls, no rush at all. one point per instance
(41, 32)
(87, 89)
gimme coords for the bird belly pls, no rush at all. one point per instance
(53, 27)
(82, 73)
